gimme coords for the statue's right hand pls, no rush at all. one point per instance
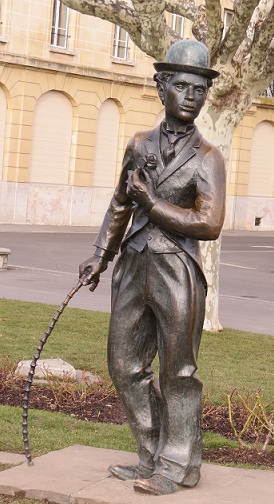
(90, 270)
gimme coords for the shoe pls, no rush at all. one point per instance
(130, 472)
(192, 477)
(156, 485)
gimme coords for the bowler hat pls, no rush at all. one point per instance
(188, 56)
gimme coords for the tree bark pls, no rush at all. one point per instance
(218, 128)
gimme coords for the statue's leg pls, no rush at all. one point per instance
(132, 346)
(179, 306)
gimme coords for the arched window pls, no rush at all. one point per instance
(261, 176)
(3, 109)
(51, 139)
(105, 157)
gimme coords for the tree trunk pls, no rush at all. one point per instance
(217, 129)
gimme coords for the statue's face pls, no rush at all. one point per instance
(185, 94)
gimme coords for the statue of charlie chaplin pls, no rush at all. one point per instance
(173, 183)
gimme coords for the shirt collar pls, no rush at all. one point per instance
(183, 129)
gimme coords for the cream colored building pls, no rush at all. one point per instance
(250, 189)
(73, 90)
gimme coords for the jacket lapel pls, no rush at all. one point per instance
(162, 172)
(152, 146)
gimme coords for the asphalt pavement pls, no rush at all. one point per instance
(247, 281)
(43, 267)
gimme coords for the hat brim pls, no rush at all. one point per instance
(174, 67)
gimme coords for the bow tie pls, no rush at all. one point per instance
(183, 130)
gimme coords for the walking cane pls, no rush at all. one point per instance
(36, 356)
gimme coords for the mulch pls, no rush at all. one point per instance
(98, 405)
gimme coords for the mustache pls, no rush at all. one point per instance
(187, 104)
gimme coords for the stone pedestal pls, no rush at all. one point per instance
(4, 254)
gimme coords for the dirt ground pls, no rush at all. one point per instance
(104, 406)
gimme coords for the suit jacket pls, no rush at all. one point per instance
(190, 191)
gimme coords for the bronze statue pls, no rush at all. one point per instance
(173, 183)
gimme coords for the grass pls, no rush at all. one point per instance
(227, 360)
(236, 359)
(54, 431)
(231, 359)
(79, 337)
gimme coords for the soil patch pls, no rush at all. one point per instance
(104, 406)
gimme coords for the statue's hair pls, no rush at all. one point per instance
(162, 78)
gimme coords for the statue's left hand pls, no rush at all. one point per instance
(140, 188)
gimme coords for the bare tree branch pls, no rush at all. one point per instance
(259, 50)
(200, 27)
(214, 24)
(196, 14)
(258, 17)
(270, 61)
(237, 30)
(186, 9)
(155, 38)
(111, 9)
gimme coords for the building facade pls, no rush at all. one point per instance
(73, 91)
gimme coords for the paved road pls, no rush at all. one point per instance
(44, 263)
(247, 281)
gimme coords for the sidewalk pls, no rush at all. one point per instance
(78, 475)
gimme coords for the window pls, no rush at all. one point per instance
(261, 171)
(59, 33)
(228, 15)
(51, 139)
(107, 138)
(3, 111)
(177, 24)
(5, 13)
(120, 43)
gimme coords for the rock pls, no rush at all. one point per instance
(86, 377)
(54, 367)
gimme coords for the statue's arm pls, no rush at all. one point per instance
(205, 220)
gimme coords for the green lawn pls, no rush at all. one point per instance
(53, 431)
(79, 337)
(230, 359)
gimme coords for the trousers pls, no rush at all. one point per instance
(158, 305)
